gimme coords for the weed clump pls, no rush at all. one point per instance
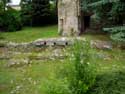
(78, 74)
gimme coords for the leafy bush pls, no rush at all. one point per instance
(77, 76)
(117, 33)
(10, 20)
(83, 73)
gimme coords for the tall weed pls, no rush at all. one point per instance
(77, 75)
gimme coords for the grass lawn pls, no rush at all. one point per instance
(30, 34)
(26, 79)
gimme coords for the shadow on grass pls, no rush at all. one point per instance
(111, 83)
(1, 37)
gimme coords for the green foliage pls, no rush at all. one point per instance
(108, 12)
(117, 33)
(78, 76)
(10, 20)
(55, 86)
(85, 5)
(117, 13)
(1, 7)
(41, 12)
(3, 4)
(38, 12)
(83, 73)
(26, 12)
(110, 83)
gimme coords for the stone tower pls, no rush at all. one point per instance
(69, 17)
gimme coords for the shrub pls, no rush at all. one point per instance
(83, 76)
(117, 33)
(77, 76)
(10, 20)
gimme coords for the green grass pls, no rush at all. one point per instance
(102, 37)
(30, 34)
(30, 78)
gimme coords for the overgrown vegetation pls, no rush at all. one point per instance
(32, 13)
(117, 33)
(10, 19)
(110, 14)
(54, 76)
(83, 74)
(79, 74)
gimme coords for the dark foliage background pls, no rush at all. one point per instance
(38, 12)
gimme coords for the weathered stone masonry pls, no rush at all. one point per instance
(69, 17)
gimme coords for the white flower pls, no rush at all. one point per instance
(88, 63)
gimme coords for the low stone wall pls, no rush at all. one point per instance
(54, 42)
(45, 42)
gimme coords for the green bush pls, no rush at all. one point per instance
(117, 33)
(83, 75)
(10, 20)
(77, 76)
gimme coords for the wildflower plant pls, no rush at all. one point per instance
(77, 75)
(82, 76)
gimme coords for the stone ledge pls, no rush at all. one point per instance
(64, 41)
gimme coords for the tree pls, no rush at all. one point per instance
(9, 18)
(111, 13)
(3, 4)
(41, 12)
(38, 12)
(26, 12)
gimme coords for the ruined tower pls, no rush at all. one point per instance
(69, 17)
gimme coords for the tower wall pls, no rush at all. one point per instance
(69, 17)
